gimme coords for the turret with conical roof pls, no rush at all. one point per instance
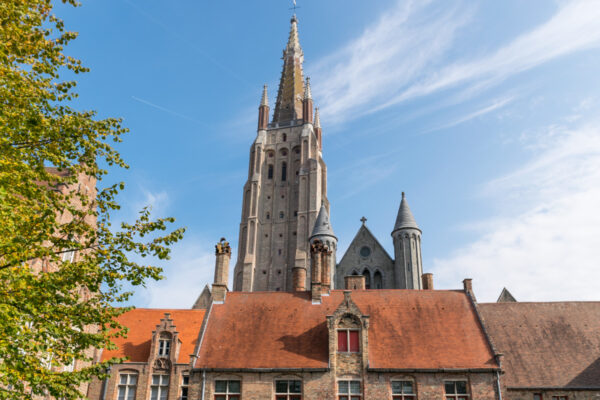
(323, 232)
(408, 264)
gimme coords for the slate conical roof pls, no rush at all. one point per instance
(322, 225)
(405, 219)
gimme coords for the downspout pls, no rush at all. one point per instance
(204, 383)
(105, 384)
(498, 384)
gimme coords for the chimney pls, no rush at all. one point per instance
(326, 270)
(427, 281)
(355, 282)
(317, 252)
(468, 287)
(223, 255)
(299, 279)
(263, 110)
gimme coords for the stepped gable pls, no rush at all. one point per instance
(546, 344)
(142, 322)
(409, 329)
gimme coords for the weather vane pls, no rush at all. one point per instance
(294, 7)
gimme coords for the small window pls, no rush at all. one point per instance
(365, 251)
(164, 347)
(288, 390)
(268, 216)
(348, 341)
(283, 172)
(456, 390)
(270, 171)
(284, 138)
(281, 215)
(403, 390)
(227, 390)
(68, 255)
(349, 390)
(70, 367)
(537, 396)
(159, 390)
(185, 384)
(127, 385)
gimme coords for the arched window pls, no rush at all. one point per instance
(268, 216)
(284, 137)
(378, 280)
(367, 275)
(283, 172)
(270, 172)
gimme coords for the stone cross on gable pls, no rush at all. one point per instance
(363, 220)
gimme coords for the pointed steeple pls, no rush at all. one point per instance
(405, 217)
(264, 100)
(307, 92)
(291, 86)
(317, 118)
(322, 225)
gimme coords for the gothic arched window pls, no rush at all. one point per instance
(270, 171)
(283, 172)
(377, 280)
(367, 275)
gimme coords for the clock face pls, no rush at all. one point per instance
(365, 251)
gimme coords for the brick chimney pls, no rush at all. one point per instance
(222, 257)
(427, 281)
(299, 279)
(355, 282)
(318, 253)
(326, 270)
(468, 287)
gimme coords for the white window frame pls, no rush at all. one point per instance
(164, 347)
(287, 394)
(185, 384)
(129, 386)
(68, 255)
(348, 395)
(403, 396)
(162, 388)
(456, 396)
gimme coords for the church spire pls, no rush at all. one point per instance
(405, 219)
(291, 85)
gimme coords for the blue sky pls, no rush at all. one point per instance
(484, 113)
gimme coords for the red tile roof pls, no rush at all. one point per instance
(142, 322)
(408, 329)
(546, 344)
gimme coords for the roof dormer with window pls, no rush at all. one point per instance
(348, 338)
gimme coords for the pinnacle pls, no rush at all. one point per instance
(317, 118)
(307, 92)
(264, 101)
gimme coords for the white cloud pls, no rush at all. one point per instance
(389, 55)
(546, 245)
(399, 58)
(191, 267)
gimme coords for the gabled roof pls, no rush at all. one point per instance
(405, 218)
(506, 297)
(322, 225)
(142, 322)
(409, 329)
(357, 241)
(546, 344)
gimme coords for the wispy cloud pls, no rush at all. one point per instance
(387, 57)
(161, 108)
(544, 246)
(497, 104)
(400, 57)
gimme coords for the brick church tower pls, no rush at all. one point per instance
(286, 186)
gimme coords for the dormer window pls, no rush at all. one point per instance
(348, 341)
(164, 345)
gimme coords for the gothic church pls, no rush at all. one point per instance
(298, 325)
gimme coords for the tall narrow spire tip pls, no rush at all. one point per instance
(264, 101)
(307, 91)
(317, 118)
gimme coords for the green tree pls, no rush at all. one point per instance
(53, 310)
